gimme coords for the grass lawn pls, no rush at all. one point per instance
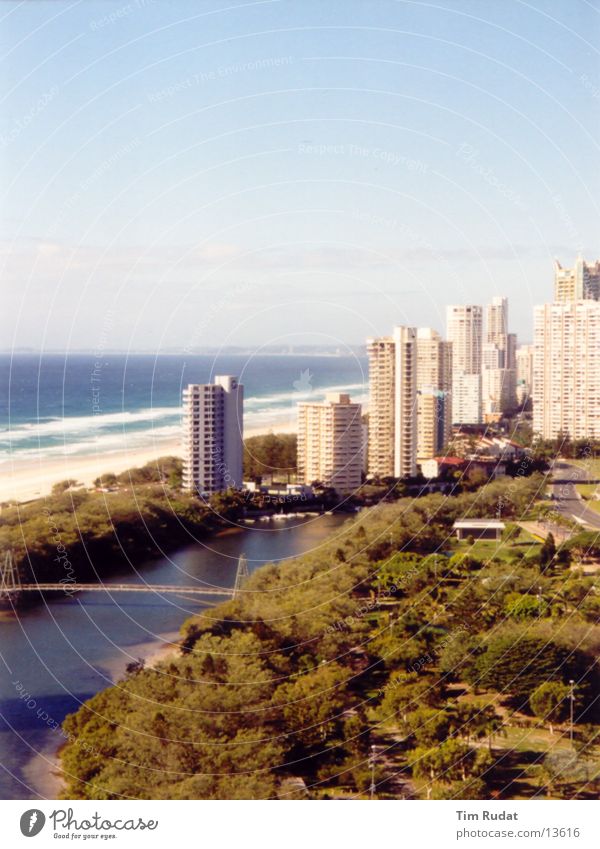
(531, 739)
(587, 490)
(489, 549)
(592, 467)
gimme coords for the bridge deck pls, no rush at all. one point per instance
(119, 588)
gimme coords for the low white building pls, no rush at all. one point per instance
(479, 529)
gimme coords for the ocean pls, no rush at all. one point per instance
(81, 404)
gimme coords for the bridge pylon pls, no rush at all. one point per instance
(10, 579)
(241, 574)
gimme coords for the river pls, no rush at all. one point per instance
(56, 655)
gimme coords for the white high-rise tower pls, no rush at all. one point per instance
(566, 370)
(392, 448)
(464, 331)
(213, 435)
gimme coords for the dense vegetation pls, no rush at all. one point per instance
(455, 666)
(74, 532)
(271, 454)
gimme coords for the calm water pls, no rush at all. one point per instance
(75, 404)
(63, 652)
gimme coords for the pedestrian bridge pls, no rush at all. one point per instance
(11, 586)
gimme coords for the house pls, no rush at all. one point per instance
(479, 528)
(436, 466)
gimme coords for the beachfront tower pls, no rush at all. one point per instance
(393, 404)
(213, 435)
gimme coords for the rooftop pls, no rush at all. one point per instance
(492, 524)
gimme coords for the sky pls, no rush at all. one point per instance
(182, 174)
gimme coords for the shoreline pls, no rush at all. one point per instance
(26, 480)
(43, 771)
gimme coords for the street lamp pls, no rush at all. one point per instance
(572, 700)
(372, 765)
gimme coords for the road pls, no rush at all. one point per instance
(565, 497)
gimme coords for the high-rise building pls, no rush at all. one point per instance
(524, 363)
(582, 282)
(213, 435)
(392, 404)
(496, 387)
(496, 329)
(492, 357)
(464, 331)
(566, 370)
(466, 398)
(405, 406)
(434, 392)
(330, 443)
(498, 376)
(382, 371)
(511, 367)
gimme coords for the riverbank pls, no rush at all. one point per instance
(43, 772)
(23, 480)
(76, 648)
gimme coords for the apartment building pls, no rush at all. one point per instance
(582, 282)
(566, 369)
(434, 393)
(213, 435)
(392, 450)
(330, 443)
(464, 331)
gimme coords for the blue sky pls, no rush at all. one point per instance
(196, 173)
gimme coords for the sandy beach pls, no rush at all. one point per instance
(23, 480)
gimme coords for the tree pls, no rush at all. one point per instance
(524, 606)
(462, 563)
(312, 706)
(550, 702)
(475, 723)
(107, 480)
(515, 663)
(270, 454)
(63, 486)
(547, 551)
(451, 761)
(405, 692)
